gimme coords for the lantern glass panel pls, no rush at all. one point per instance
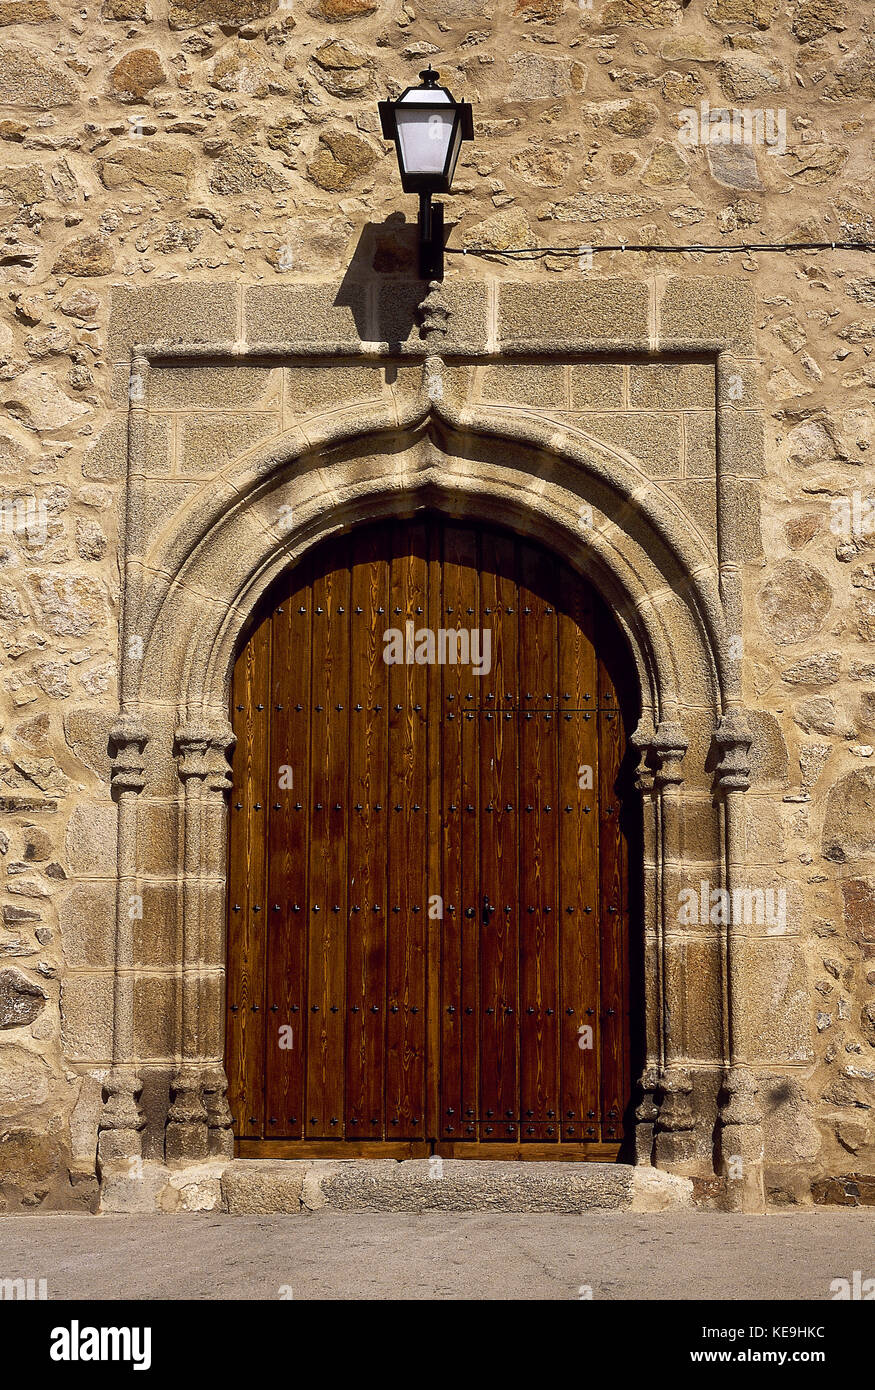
(424, 136)
(424, 121)
(455, 150)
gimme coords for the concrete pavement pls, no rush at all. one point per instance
(342, 1255)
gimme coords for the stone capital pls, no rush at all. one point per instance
(740, 1098)
(668, 747)
(128, 737)
(733, 738)
(646, 1113)
(121, 1120)
(186, 1136)
(202, 751)
(642, 740)
(674, 1127)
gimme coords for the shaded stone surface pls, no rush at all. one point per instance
(338, 11)
(858, 896)
(26, 12)
(738, 13)
(855, 76)
(768, 753)
(343, 68)
(853, 1190)
(849, 821)
(22, 1000)
(812, 19)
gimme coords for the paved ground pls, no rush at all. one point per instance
(352, 1256)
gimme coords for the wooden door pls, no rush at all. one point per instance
(429, 854)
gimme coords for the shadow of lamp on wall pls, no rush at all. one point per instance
(428, 127)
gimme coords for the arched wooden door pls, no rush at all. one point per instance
(428, 895)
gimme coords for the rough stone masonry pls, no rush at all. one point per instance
(149, 146)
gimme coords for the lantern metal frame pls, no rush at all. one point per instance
(431, 215)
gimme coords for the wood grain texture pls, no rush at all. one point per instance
(442, 887)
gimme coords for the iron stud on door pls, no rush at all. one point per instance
(414, 1015)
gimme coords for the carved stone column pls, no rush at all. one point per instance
(646, 1114)
(674, 1125)
(741, 1140)
(741, 1131)
(186, 1138)
(674, 1138)
(646, 1109)
(203, 770)
(121, 1122)
(219, 1118)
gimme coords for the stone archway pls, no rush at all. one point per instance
(188, 654)
(196, 564)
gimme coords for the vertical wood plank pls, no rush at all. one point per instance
(407, 843)
(499, 841)
(251, 690)
(435, 897)
(612, 886)
(326, 986)
(366, 996)
(579, 875)
(288, 810)
(541, 820)
(460, 1004)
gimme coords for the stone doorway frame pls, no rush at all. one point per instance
(190, 586)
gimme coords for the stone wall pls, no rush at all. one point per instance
(146, 146)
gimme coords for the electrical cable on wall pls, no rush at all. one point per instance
(536, 252)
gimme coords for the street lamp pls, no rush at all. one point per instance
(428, 128)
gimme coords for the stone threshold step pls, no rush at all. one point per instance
(296, 1186)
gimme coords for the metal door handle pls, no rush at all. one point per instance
(488, 909)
